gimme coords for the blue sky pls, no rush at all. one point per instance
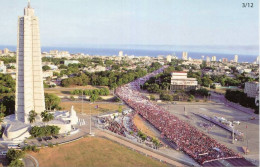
(135, 22)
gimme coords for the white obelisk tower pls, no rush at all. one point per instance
(29, 83)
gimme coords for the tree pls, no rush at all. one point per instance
(46, 116)
(32, 116)
(52, 101)
(206, 81)
(166, 97)
(156, 142)
(213, 86)
(2, 116)
(2, 108)
(44, 131)
(16, 163)
(152, 97)
(153, 88)
(46, 68)
(120, 109)
(13, 154)
(94, 97)
(9, 103)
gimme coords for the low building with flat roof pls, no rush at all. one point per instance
(180, 81)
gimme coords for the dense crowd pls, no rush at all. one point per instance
(187, 138)
(116, 127)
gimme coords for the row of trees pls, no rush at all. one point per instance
(112, 79)
(45, 115)
(44, 131)
(206, 81)
(200, 92)
(237, 96)
(8, 59)
(104, 78)
(89, 92)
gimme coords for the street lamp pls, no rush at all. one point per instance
(90, 132)
(233, 135)
(82, 102)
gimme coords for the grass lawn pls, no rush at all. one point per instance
(93, 152)
(102, 108)
(140, 124)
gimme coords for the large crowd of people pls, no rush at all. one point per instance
(115, 127)
(187, 138)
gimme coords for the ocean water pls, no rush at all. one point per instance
(245, 53)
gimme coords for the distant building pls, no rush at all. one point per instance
(67, 62)
(53, 67)
(64, 53)
(169, 58)
(54, 52)
(179, 80)
(218, 85)
(184, 55)
(47, 74)
(257, 60)
(247, 70)
(1, 52)
(160, 57)
(120, 53)
(6, 51)
(208, 59)
(252, 89)
(213, 58)
(224, 60)
(236, 58)
(2, 67)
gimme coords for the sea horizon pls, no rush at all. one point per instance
(245, 53)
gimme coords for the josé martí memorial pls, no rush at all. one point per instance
(29, 85)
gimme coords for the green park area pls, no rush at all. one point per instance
(93, 152)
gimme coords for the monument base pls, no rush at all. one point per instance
(17, 131)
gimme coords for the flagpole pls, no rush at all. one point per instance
(246, 139)
(82, 102)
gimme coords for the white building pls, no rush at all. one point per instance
(54, 52)
(184, 55)
(67, 62)
(169, 58)
(208, 59)
(213, 58)
(218, 85)
(120, 53)
(53, 67)
(236, 58)
(247, 70)
(2, 67)
(179, 80)
(252, 89)
(6, 51)
(47, 74)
